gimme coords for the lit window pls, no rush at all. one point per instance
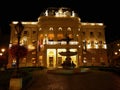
(88, 46)
(96, 45)
(105, 46)
(69, 29)
(84, 60)
(40, 29)
(51, 29)
(118, 44)
(78, 29)
(79, 46)
(50, 37)
(77, 35)
(116, 53)
(119, 50)
(60, 28)
(33, 60)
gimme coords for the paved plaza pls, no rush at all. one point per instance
(95, 80)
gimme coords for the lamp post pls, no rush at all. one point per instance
(3, 50)
(19, 28)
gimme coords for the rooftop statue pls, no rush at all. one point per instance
(59, 12)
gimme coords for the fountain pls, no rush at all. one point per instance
(67, 64)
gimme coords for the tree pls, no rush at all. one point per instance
(18, 52)
(3, 61)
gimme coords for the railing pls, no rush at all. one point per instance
(62, 43)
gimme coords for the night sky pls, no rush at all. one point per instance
(88, 10)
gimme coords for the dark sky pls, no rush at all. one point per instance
(106, 12)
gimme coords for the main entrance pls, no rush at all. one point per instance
(54, 59)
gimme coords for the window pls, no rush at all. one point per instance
(34, 32)
(100, 42)
(50, 37)
(91, 34)
(83, 33)
(69, 29)
(25, 32)
(99, 34)
(51, 28)
(59, 36)
(60, 28)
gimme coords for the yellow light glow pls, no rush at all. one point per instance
(1, 54)
(96, 46)
(79, 46)
(92, 24)
(15, 22)
(105, 46)
(119, 50)
(46, 13)
(88, 46)
(14, 61)
(116, 53)
(73, 43)
(31, 47)
(51, 57)
(101, 24)
(33, 23)
(118, 44)
(84, 61)
(3, 49)
(73, 14)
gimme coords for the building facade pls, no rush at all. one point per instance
(45, 39)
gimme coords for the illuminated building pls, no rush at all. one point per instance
(45, 39)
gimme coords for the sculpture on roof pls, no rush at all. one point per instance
(59, 12)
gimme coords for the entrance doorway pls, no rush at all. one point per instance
(51, 58)
(51, 62)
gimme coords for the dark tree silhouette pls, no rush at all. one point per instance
(18, 52)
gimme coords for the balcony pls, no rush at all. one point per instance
(60, 44)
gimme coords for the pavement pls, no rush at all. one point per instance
(94, 80)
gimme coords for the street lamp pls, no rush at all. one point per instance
(3, 57)
(19, 28)
(3, 50)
